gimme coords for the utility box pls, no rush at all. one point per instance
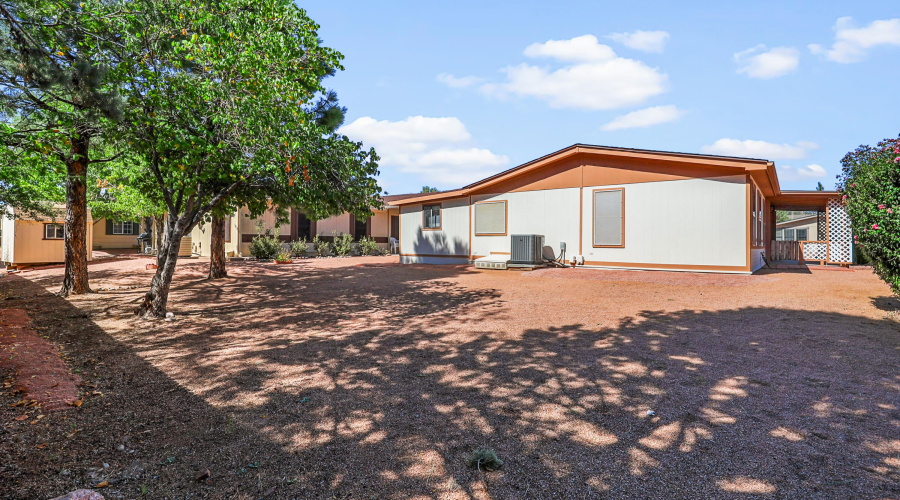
(526, 249)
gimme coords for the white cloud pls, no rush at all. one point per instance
(812, 171)
(596, 79)
(759, 149)
(644, 118)
(437, 150)
(761, 62)
(458, 82)
(583, 48)
(647, 41)
(851, 43)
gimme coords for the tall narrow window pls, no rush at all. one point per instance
(490, 218)
(432, 217)
(609, 217)
(228, 229)
(753, 208)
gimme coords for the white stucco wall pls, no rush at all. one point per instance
(693, 222)
(436, 246)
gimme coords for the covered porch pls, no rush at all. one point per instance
(830, 243)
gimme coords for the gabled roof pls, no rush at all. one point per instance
(763, 171)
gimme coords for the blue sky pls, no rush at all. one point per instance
(451, 92)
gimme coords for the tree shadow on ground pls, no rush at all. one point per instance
(377, 381)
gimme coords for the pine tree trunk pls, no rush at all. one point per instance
(217, 249)
(75, 279)
(154, 303)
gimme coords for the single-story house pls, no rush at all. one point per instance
(27, 241)
(799, 229)
(619, 208)
(382, 225)
(111, 234)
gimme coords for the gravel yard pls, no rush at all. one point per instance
(361, 378)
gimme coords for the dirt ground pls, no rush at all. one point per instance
(361, 378)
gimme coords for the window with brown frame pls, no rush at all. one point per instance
(753, 207)
(609, 218)
(490, 218)
(228, 229)
(53, 232)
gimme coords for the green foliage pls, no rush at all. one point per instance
(342, 244)
(429, 189)
(368, 246)
(321, 246)
(870, 185)
(820, 187)
(265, 245)
(283, 256)
(484, 459)
(298, 247)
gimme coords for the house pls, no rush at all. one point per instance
(383, 224)
(29, 241)
(799, 229)
(619, 208)
(110, 234)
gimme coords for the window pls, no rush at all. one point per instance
(53, 231)
(432, 217)
(609, 218)
(490, 218)
(802, 234)
(123, 228)
(789, 235)
(779, 235)
(228, 229)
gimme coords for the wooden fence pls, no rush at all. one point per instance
(787, 250)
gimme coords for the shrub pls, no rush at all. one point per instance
(283, 256)
(321, 246)
(298, 247)
(265, 246)
(870, 185)
(342, 244)
(368, 246)
(484, 458)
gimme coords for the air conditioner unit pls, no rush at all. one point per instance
(526, 249)
(492, 262)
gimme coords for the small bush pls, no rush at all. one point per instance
(321, 246)
(298, 247)
(484, 458)
(283, 256)
(343, 243)
(265, 246)
(367, 246)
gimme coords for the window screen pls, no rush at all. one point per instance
(609, 213)
(490, 217)
(432, 215)
(779, 235)
(789, 235)
(802, 234)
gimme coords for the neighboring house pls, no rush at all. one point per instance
(110, 234)
(800, 229)
(618, 208)
(240, 229)
(32, 241)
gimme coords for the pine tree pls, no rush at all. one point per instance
(55, 98)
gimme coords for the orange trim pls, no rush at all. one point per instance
(499, 253)
(505, 217)
(471, 225)
(581, 212)
(748, 218)
(594, 213)
(440, 211)
(433, 255)
(671, 267)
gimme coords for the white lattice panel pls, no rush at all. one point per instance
(839, 233)
(815, 251)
